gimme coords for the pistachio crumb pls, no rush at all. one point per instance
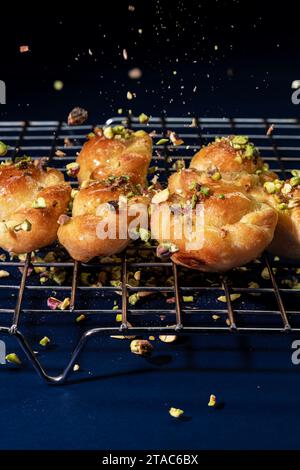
(4, 273)
(44, 341)
(13, 359)
(212, 400)
(80, 318)
(176, 412)
(188, 298)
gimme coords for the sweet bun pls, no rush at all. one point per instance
(284, 197)
(116, 151)
(234, 230)
(79, 234)
(229, 154)
(32, 198)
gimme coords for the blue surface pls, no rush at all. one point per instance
(122, 401)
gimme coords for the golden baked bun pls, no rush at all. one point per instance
(79, 234)
(119, 151)
(32, 198)
(229, 154)
(235, 228)
(284, 196)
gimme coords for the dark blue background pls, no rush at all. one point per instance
(124, 400)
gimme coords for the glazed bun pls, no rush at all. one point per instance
(234, 230)
(116, 151)
(79, 234)
(284, 197)
(228, 154)
(32, 198)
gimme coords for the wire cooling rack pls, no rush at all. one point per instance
(262, 297)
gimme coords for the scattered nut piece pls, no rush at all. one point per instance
(216, 317)
(77, 116)
(212, 400)
(60, 153)
(176, 412)
(4, 274)
(141, 347)
(3, 149)
(44, 341)
(80, 318)
(13, 359)
(24, 49)
(168, 338)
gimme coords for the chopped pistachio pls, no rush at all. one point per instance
(287, 188)
(141, 347)
(188, 298)
(265, 274)
(64, 304)
(165, 249)
(13, 359)
(161, 196)
(144, 234)
(77, 116)
(44, 341)
(249, 151)
(295, 181)
(108, 133)
(3, 149)
(24, 226)
(253, 285)
(216, 317)
(151, 338)
(132, 299)
(216, 176)
(168, 338)
(4, 274)
(283, 206)
(115, 307)
(238, 159)
(194, 200)
(40, 203)
(240, 140)
(204, 190)
(176, 412)
(90, 135)
(233, 297)
(212, 401)
(162, 141)
(221, 196)
(119, 317)
(143, 118)
(73, 169)
(269, 186)
(80, 318)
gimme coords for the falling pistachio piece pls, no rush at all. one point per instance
(44, 341)
(13, 359)
(141, 347)
(80, 318)
(212, 401)
(176, 412)
(168, 338)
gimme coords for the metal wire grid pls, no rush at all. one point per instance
(280, 310)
